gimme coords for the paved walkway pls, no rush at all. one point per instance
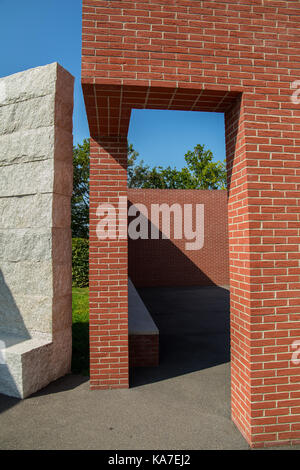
(183, 404)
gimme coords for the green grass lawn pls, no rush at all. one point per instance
(80, 330)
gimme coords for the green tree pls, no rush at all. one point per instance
(80, 195)
(206, 174)
(200, 172)
(137, 172)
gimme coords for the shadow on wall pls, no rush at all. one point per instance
(193, 321)
(166, 262)
(11, 321)
(12, 332)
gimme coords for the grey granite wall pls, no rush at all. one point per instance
(36, 177)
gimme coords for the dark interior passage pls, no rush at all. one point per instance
(194, 328)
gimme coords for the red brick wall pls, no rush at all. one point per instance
(108, 285)
(143, 350)
(240, 58)
(167, 262)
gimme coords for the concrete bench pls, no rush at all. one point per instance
(29, 364)
(143, 333)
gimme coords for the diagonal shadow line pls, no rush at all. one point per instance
(193, 321)
(164, 262)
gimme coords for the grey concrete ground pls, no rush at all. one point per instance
(183, 404)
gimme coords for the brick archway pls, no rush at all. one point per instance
(206, 56)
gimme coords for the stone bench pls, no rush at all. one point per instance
(29, 364)
(142, 331)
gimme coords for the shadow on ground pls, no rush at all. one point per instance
(194, 328)
(183, 404)
(80, 348)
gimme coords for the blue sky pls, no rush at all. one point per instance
(164, 137)
(35, 32)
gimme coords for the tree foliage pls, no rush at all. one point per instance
(137, 172)
(80, 262)
(200, 172)
(80, 195)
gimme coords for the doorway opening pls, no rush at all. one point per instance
(183, 281)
